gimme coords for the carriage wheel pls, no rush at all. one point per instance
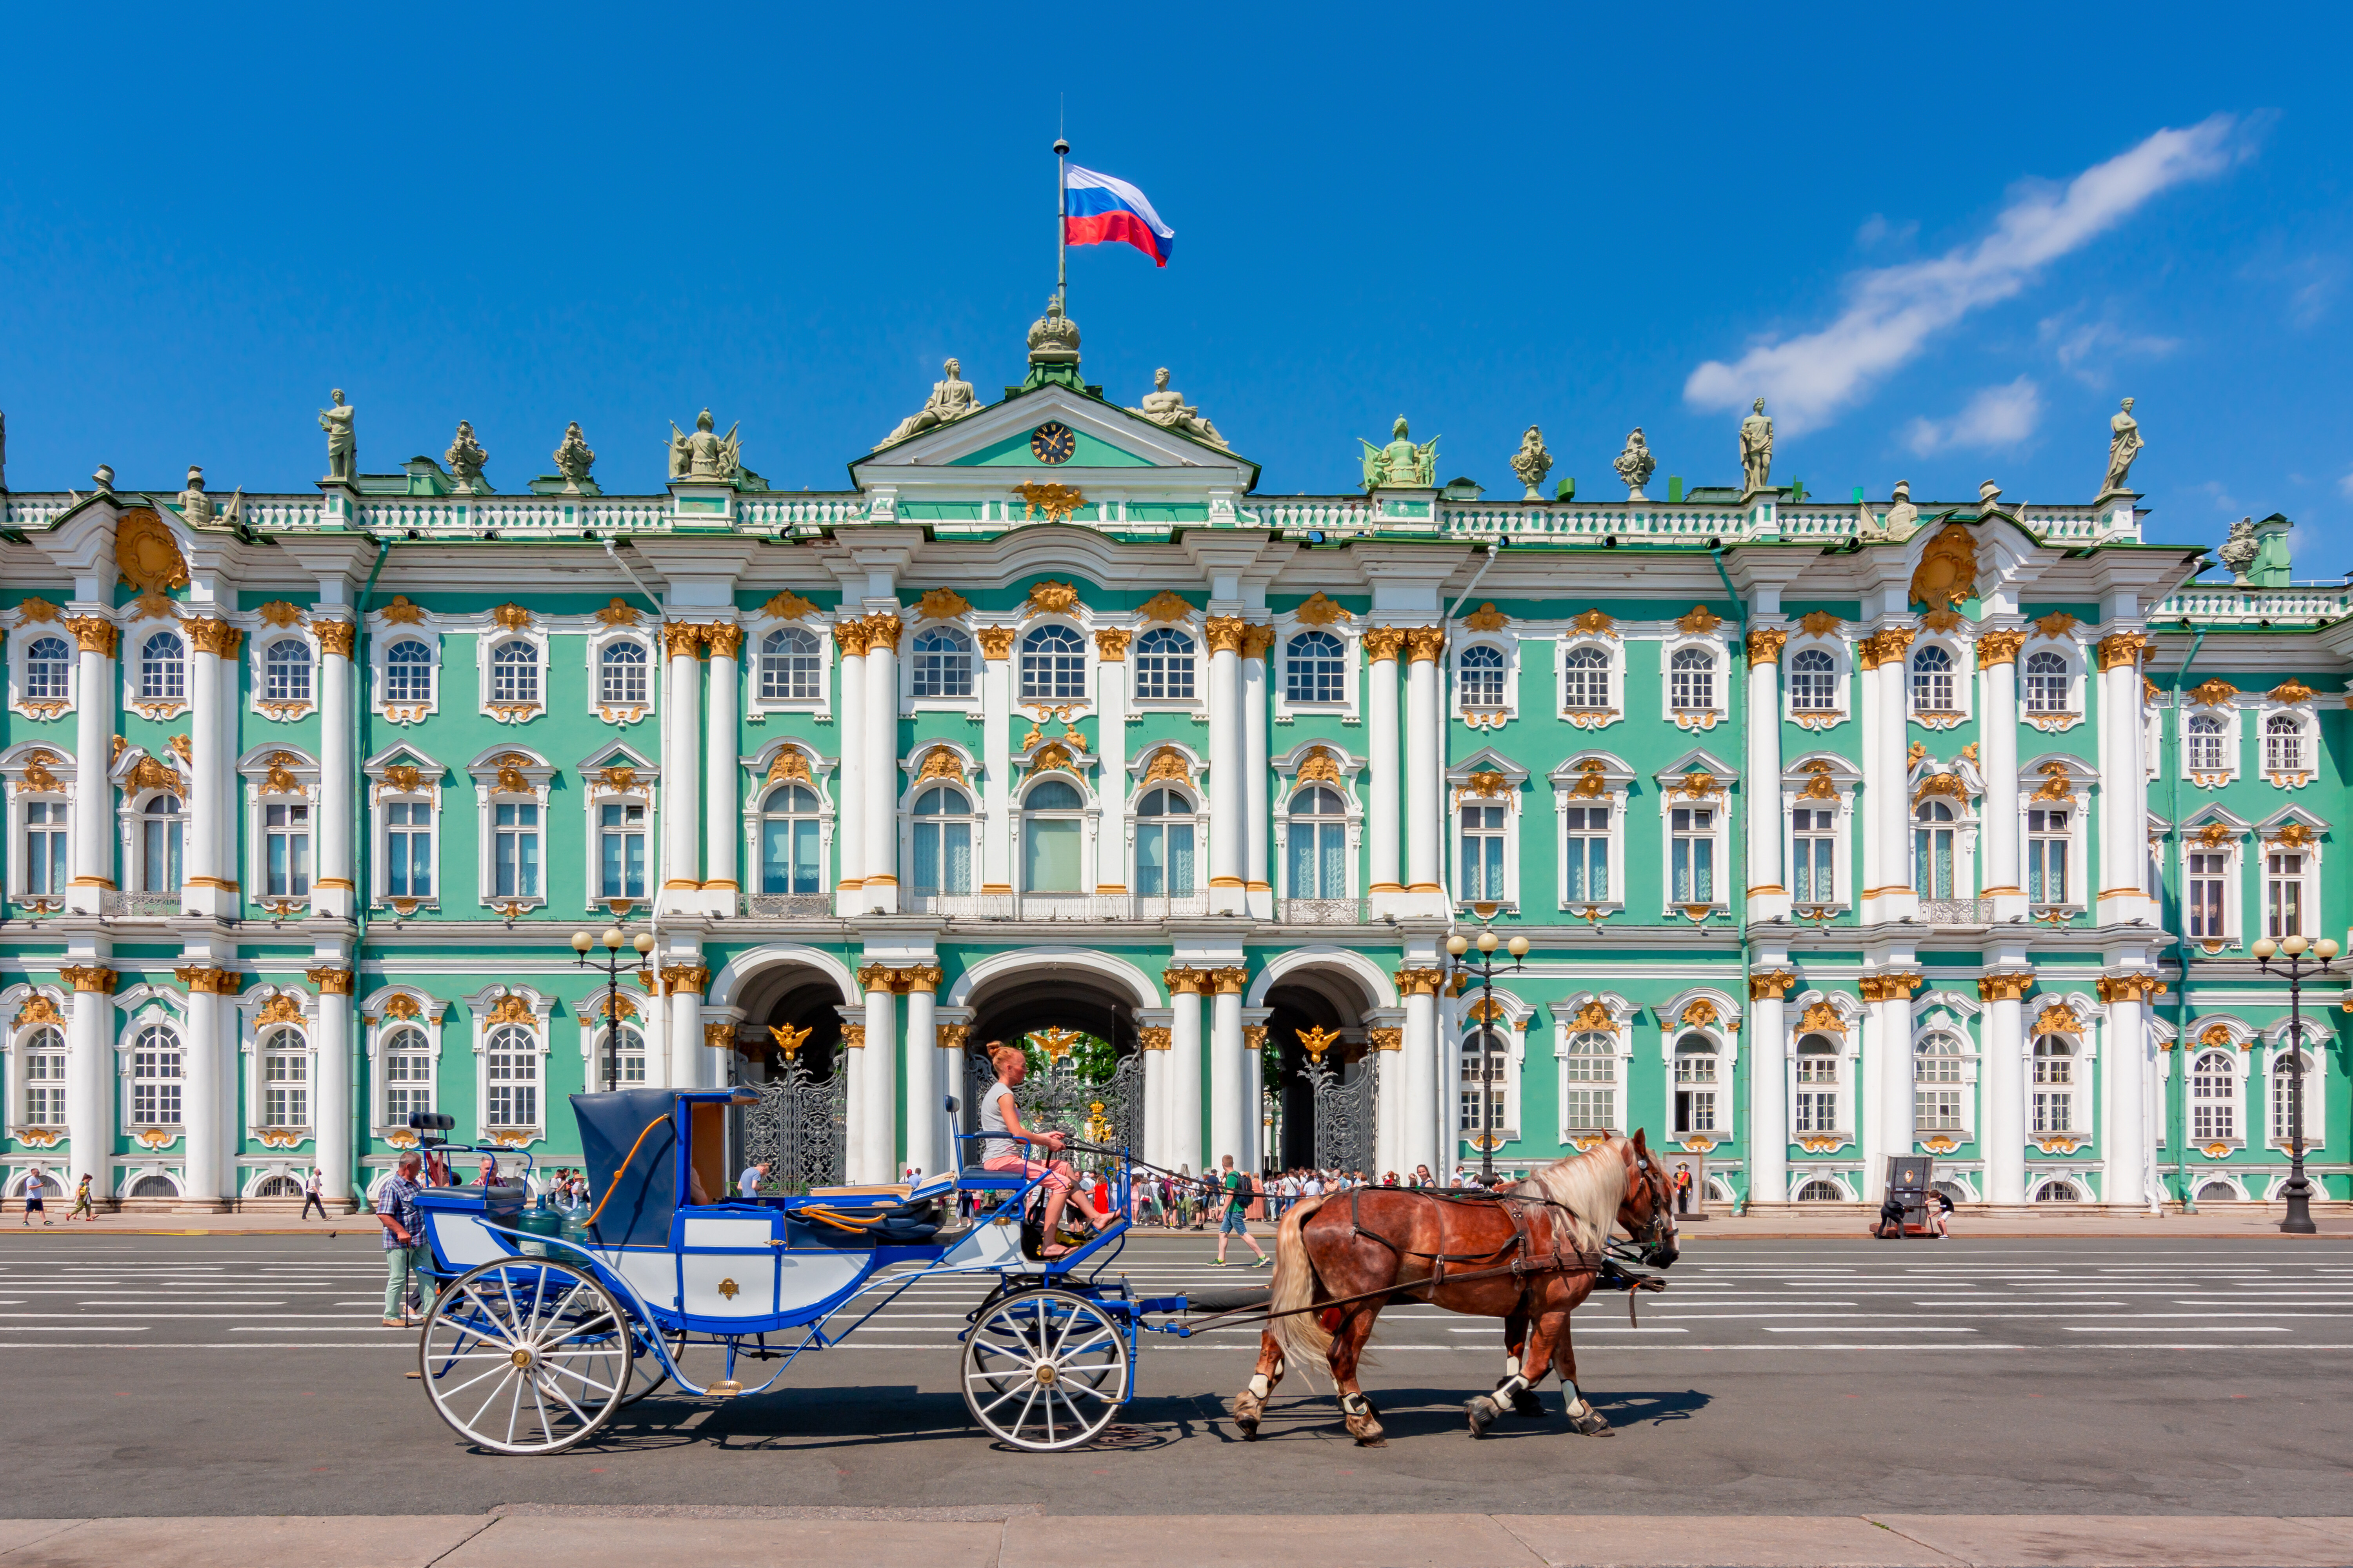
(525, 1355)
(646, 1372)
(1044, 1370)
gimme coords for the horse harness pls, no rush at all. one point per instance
(1524, 1264)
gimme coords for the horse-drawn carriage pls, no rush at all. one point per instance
(534, 1341)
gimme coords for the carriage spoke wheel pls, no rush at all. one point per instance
(1044, 1370)
(646, 1372)
(525, 1355)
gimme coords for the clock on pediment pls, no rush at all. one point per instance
(1052, 442)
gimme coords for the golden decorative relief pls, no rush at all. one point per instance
(1391, 1039)
(1424, 644)
(1167, 763)
(93, 635)
(2058, 623)
(277, 612)
(1057, 502)
(1947, 572)
(1051, 597)
(1166, 605)
(281, 780)
(684, 640)
(1592, 782)
(1256, 640)
(1770, 983)
(1320, 611)
(510, 1008)
(883, 633)
(1998, 648)
(1819, 623)
(1420, 982)
(2213, 694)
(1151, 1037)
(1889, 986)
(2056, 1019)
(1487, 618)
(1225, 633)
(1595, 623)
(36, 772)
(1697, 785)
(1822, 1017)
(1383, 642)
(1052, 755)
(400, 612)
(1316, 1040)
(2216, 1152)
(2295, 835)
(1110, 644)
(146, 553)
(512, 617)
(789, 763)
(1699, 620)
(2215, 1034)
(620, 779)
(511, 777)
(149, 773)
(1821, 786)
(1486, 784)
(1320, 765)
(39, 1008)
(402, 1005)
(995, 641)
(1183, 981)
(618, 612)
(677, 977)
(1941, 620)
(2122, 648)
(37, 609)
(941, 762)
(2005, 985)
(1700, 1014)
(278, 1009)
(1817, 1144)
(1593, 1018)
(2056, 783)
(2291, 692)
(1765, 645)
(209, 981)
(943, 604)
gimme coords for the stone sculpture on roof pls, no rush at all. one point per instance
(1903, 520)
(1532, 463)
(1756, 450)
(952, 398)
(466, 458)
(343, 438)
(2238, 552)
(705, 455)
(1401, 464)
(1169, 410)
(573, 458)
(1636, 464)
(2124, 445)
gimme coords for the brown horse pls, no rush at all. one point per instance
(1530, 1258)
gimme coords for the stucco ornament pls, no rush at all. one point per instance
(1531, 463)
(341, 423)
(1054, 337)
(1401, 464)
(2125, 444)
(1756, 449)
(466, 458)
(145, 552)
(1903, 519)
(573, 458)
(705, 455)
(2238, 552)
(1947, 571)
(952, 398)
(1636, 464)
(1167, 408)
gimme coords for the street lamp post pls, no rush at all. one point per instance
(2298, 1190)
(611, 967)
(1484, 972)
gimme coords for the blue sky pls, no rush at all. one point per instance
(1942, 252)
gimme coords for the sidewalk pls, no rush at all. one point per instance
(541, 1536)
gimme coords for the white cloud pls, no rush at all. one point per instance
(1893, 311)
(1996, 416)
(2345, 484)
(2079, 347)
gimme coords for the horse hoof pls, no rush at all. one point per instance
(1591, 1424)
(1483, 1413)
(1372, 1442)
(1526, 1403)
(1248, 1408)
(1249, 1430)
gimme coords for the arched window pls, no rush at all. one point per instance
(163, 823)
(286, 672)
(164, 669)
(943, 829)
(2283, 744)
(1163, 665)
(407, 1057)
(49, 671)
(2058, 1191)
(1053, 665)
(408, 672)
(1932, 680)
(942, 664)
(2218, 1192)
(1690, 680)
(514, 672)
(624, 1068)
(2206, 737)
(1813, 681)
(789, 828)
(1932, 850)
(1589, 1104)
(1484, 1105)
(1585, 679)
(1821, 1191)
(1164, 845)
(788, 666)
(512, 1068)
(2213, 1096)
(1315, 669)
(285, 1079)
(621, 674)
(1936, 1078)
(2046, 682)
(2053, 1098)
(2283, 1083)
(1818, 1076)
(42, 1058)
(1050, 829)
(155, 1077)
(1317, 843)
(278, 1187)
(1695, 1085)
(1480, 678)
(1479, 861)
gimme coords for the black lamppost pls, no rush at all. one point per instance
(2298, 1190)
(611, 967)
(1484, 972)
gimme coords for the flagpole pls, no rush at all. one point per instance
(1061, 223)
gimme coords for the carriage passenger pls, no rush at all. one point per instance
(1000, 1121)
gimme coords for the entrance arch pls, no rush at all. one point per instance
(799, 1125)
(1010, 996)
(1324, 1113)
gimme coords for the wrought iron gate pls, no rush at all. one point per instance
(1109, 1112)
(800, 1126)
(1346, 1110)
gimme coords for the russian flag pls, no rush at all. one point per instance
(1101, 210)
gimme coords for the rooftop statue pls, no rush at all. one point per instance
(1636, 464)
(1054, 337)
(2124, 445)
(1400, 465)
(704, 455)
(2238, 552)
(951, 399)
(342, 438)
(1903, 520)
(197, 506)
(1169, 410)
(1756, 450)
(1532, 463)
(466, 458)
(573, 458)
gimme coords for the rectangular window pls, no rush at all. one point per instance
(286, 851)
(45, 849)
(1589, 855)
(407, 1087)
(1813, 857)
(155, 1088)
(1937, 1110)
(2055, 1110)
(2202, 897)
(1482, 1102)
(1694, 854)
(1816, 1111)
(621, 850)
(1695, 1110)
(788, 853)
(45, 1089)
(1590, 1110)
(2047, 839)
(1051, 864)
(161, 841)
(514, 1088)
(1164, 859)
(2284, 895)
(408, 849)
(286, 1090)
(1482, 856)
(514, 852)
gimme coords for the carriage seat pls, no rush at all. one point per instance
(867, 1220)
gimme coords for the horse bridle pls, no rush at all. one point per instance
(1662, 1228)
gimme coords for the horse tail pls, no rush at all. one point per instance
(1300, 1335)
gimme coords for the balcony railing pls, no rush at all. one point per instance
(1088, 907)
(1320, 911)
(787, 905)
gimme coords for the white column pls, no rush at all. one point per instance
(1420, 1141)
(1185, 1069)
(90, 1075)
(1111, 753)
(876, 1127)
(208, 1089)
(681, 784)
(1152, 1042)
(333, 889)
(91, 867)
(851, 780)
(1769, 894)
(1254, 1098)
(684, 982)
(1873, 793)
(1382, 644)
(1387, 1059)
(2003, 880)
(1229, 834)
(996, 761)
(926, 1110)
(723, 773)
(1423, 798)
(2123, 782)
(1260, 887)
(209, 886)
(2001, 1111)
(331, 1105)
(1895, 800)
(1887, 1050)
(881, 887)
(2124, 1133)
(1227, 1111)
(1769, 1086)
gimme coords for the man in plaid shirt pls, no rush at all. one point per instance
(403, 1242)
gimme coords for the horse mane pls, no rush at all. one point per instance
(1590, 1186)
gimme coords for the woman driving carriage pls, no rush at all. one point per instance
(1000, 1119)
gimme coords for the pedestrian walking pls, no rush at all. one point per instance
(83, 1202)
(314, 1194)
(748, 1184)
(1944, 1207)
(403, 1243)
(36, 1197)
(1236, 1220)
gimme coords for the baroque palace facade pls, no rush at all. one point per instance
(1835, 828)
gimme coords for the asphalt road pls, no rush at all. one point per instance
(246, 1374)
